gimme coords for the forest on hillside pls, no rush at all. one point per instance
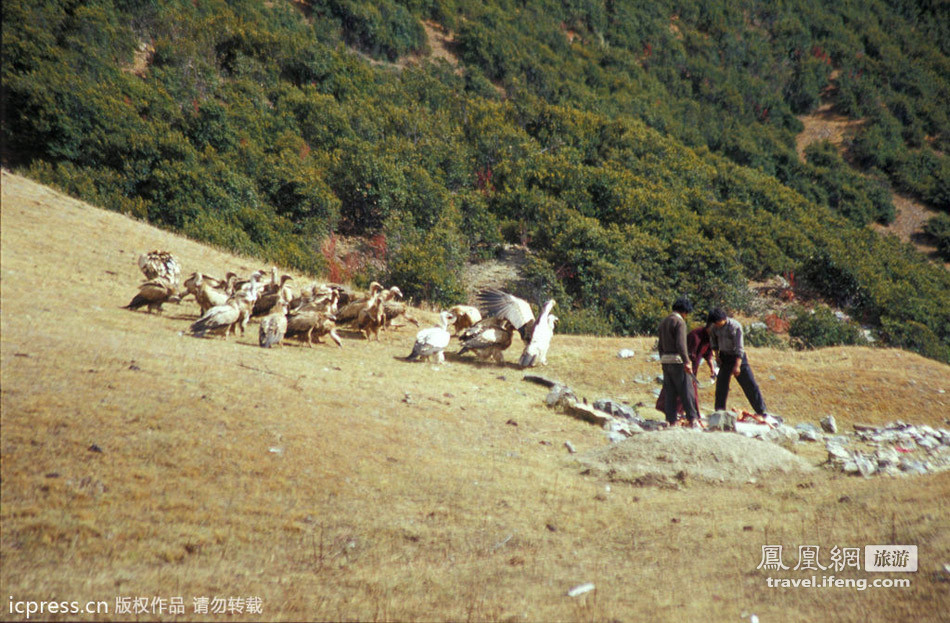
(639, 149)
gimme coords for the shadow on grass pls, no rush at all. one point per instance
(468, 361)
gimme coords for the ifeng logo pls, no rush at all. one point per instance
(890, 558)
(877, 558)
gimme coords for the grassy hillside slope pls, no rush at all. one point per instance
(347, 484)
(637, 149)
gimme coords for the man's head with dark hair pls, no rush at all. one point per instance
(682, 305)
(716, 314)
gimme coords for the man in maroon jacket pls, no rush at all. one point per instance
(697, 343)
(678, 381)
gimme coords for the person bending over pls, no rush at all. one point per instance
(725, 338)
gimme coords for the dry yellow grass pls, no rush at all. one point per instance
(351, 485)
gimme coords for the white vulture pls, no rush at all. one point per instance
(217, 318)
(154, 293)
(312, 324)
(272, 286)
(515, 310)
(537, 349)
(155, 264)
(465, 317)
(432, 341)
(274, 326)
(488, 338)
(345, 296)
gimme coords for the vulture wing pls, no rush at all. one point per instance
(515, 310)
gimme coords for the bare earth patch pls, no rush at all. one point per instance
(497, 272)
(440, 41)
(678, 455)
(827, 125)
(909, 223)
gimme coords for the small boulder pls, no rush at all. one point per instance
(558, 394)
(865, 465)
(829, 425)
(912, 467)
(782, 435)
(887, 457)
(615, 408)
(807, 432)
(836, 453)
(721, 421)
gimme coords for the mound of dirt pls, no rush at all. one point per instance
(674, 456)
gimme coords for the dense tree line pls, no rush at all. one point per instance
(640, 149)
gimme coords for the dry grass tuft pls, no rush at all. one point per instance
(347, 484)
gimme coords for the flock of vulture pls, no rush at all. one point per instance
(229, 304)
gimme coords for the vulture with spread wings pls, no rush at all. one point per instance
(517, 311)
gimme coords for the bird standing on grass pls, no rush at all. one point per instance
(465, 317)
(312, 324)
(155, 264)
(433, 341)
(154, 293)
(217, 318)
(274, 326)
(488, 339)
(515, 310)
(537, 349)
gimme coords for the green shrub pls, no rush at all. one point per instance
(382, 28)
(820, 327)
(916, 337)
(939, 227)
(582, 321)
(759, 335)
(426, 266)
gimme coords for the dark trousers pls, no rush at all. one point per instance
(678, 384)
(746, 382)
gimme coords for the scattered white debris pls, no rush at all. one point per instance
(898, 449)
(580, 589)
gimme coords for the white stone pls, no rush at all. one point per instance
(782, 435)
(836, 452)
(865, 465)
(580, 589)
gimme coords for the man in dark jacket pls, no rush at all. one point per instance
(674, 356)
(725, 337)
